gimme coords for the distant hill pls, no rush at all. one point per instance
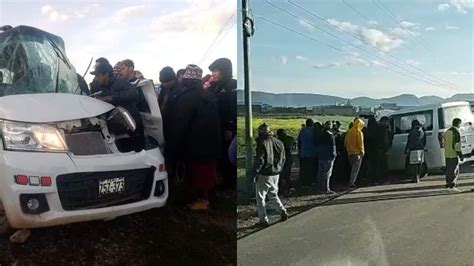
(308, 99)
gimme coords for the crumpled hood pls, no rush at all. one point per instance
(50, 107)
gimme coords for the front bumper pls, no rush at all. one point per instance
(55, 164)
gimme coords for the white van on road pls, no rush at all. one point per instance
(61, 154)
(436, 119)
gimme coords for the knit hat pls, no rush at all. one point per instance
(224, 65)
(167, 74)
(193, 72)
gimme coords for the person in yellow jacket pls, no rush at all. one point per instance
(453, 154)
(354, 143)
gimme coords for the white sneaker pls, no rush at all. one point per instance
(455, 190)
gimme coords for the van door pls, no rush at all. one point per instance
(401, 125)
(152, 120)
(396, 157)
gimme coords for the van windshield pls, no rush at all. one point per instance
(34, 61)
(449, 113)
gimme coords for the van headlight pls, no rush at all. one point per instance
(32, 137)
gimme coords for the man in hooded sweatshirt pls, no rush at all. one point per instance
(225, 89)
(269, 162)
(416, 142)
(453, 154)
(354, 143)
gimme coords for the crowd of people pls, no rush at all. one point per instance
(199, 122)
(326, 153)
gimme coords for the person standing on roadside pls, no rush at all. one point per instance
(285, 184)
(453, 154)
(307, 154)
(326, 153)
(269, 162)
(415, 149)
(354, 142)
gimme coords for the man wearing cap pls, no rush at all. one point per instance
(119, 92)
(225, 89)
(194, 137)
(269, 162)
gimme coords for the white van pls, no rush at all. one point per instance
(436, 119)
(60, 155)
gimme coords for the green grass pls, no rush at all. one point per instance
(292, 125)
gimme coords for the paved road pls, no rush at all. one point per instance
(407, 224)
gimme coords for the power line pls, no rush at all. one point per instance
(217, 37)
(360, 39)
(440, 80)
(340, 50)
(398, 21)
(355, 10)
(351, 44)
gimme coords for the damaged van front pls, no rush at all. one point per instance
(62, 154)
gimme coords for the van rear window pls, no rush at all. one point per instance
(446, 115)
(402, 123)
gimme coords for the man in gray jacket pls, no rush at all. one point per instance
(269, 162)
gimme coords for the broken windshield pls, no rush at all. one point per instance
(34, 61)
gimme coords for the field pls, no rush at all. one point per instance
(292, 125)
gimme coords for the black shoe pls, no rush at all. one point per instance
(263, 224)
(284, 216)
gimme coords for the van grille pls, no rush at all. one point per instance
(79, 191)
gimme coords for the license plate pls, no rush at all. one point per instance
(113, 185)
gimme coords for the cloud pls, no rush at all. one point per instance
(463, 6)
(381, 40)
(128, 13)
(210, 20)
(430, 29)
(53, 14)
(344, 26)
(302, 58)
(443, 7)
(306, 24)
(452, 27)
(408, 25)
(56, 15)
(284, 59)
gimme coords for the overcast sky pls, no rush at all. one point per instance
(435, 37)
(154, 34)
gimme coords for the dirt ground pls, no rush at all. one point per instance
(166, 236)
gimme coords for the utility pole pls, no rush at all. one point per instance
(248, 31)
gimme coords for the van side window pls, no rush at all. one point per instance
(402, 123)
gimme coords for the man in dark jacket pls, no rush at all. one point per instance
(285, 185)
(387, 136)
(326, 152)
(416, 144)
(269, 162)
(225, 89)
(170, 89)
(119, 92)
(195, 137)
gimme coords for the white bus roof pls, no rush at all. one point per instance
(429, 107)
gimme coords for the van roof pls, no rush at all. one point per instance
(429, 106)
